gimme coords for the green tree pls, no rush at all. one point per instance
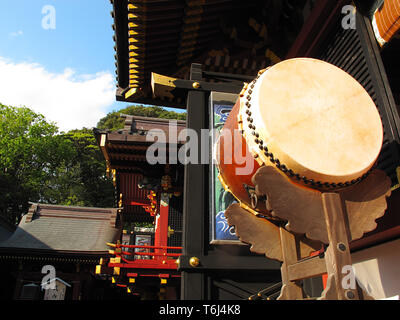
(39, 164)
(30, 151)
(87, 183)
(113, 120)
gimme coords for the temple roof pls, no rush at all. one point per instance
(125, 152)
(126, 148)
(66, 229)
(226, 36)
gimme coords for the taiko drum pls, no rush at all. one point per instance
(309, 119)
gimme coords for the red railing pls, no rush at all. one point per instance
(160, 257)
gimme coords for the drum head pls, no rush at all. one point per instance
(316, 119)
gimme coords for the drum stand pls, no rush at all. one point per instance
(336, 257)
(298, 214)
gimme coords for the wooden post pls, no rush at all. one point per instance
(338, 253)
(290, 289)
(76, 290)
(161, 234)
(18, 287)
(312, 219)
(194, 205)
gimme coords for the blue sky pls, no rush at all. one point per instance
(82, 38)
(52, 70)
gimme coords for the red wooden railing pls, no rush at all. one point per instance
(160, 257)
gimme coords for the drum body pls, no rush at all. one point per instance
(309, 119)
(385, 21)
(232, 156)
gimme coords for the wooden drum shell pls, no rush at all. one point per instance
(239, 150)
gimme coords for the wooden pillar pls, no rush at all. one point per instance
(338, 253)
(18, 286)
(76, 290)
(161, 232)
(195, 207)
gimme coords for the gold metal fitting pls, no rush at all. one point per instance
(117, 271)
(194, 261)
(196, 85)
(98, 269)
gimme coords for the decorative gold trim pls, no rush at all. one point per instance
(132, 7)
(117, 271)
(98, 269)
(130, 93)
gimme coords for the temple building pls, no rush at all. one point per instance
(197, 55)
(144, 260)
(168, 237)
(64, 240)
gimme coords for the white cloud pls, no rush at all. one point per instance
(72, 101)
(16, 34)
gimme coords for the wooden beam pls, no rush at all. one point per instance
(162, 86)
(103, 148)
(308, 268)
(155, 18)
(154, 7)
(125, 156)
(168, 87)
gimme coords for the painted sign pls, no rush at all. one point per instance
(220, 106)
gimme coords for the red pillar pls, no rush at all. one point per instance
(161, 232)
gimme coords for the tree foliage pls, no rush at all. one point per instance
(30, 150)
(38, 164)
(113, 121)
(87, 183)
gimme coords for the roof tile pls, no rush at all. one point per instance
(64, 228)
